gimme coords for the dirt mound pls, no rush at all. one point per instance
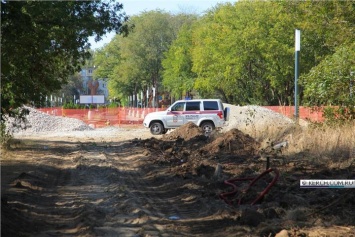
(189, 152)
(187, 132)
(233, 142)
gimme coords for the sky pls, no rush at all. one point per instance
(135, 7)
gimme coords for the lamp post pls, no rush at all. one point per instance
(297, 70)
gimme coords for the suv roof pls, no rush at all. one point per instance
(198, 100)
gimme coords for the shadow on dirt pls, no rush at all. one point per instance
(174, 183)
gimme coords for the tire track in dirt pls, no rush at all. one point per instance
(62, 193)
(33, 205)
(156, 197)
(104, 189)
(133, 213)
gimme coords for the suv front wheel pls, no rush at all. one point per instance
(156, 128)
(207, 127)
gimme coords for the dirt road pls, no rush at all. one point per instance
(95, 187)
(123, 186)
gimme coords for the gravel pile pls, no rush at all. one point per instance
(37, 122)
(258, 122)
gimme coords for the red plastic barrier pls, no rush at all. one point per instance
(104, 116)
(134, 116)
(308, 113)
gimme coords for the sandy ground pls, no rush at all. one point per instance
(125, 183)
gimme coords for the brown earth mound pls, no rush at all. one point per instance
(190, 152)
(187, 132)
(233, 155)
(233, 142)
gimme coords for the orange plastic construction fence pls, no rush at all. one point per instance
(314, 114)
(124, 116)
(121, 116)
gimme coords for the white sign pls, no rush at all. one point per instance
(298, 40)
(327, 183)
(98, 99)
(92, 99)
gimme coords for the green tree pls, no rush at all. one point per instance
(332, 82)
(44, 42)
(244, 53)
(212, 46)
(105, 60)
(134, 63)
(178, 77)
(329, 56)
(71, 88)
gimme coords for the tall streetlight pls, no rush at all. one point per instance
(297, 69)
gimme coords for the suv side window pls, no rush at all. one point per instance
(210, 105)
(193, 106)
(178, 106)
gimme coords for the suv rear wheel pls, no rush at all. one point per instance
(207, 127)
(156, 128)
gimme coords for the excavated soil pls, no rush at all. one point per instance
(170, 185)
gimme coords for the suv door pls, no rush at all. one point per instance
(192, 111)
(174, 116)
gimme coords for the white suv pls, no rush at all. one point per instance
(206, 113)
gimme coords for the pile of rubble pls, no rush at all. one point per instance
(258, 122)
(36, 122)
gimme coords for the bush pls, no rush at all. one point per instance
(339, 114)
(113, 105)
(5, 136)
(71, 105)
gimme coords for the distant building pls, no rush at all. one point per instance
(87, 77)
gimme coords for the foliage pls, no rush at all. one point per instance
(106, 58)
(332, 81)
(71, 105)
(177, 75)
(114, 105)
(71, 88)
(44, 42)
(18, 122)
(5, 136)
(338, 114)
(242, 53)
(229, 54)
(134, 63)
